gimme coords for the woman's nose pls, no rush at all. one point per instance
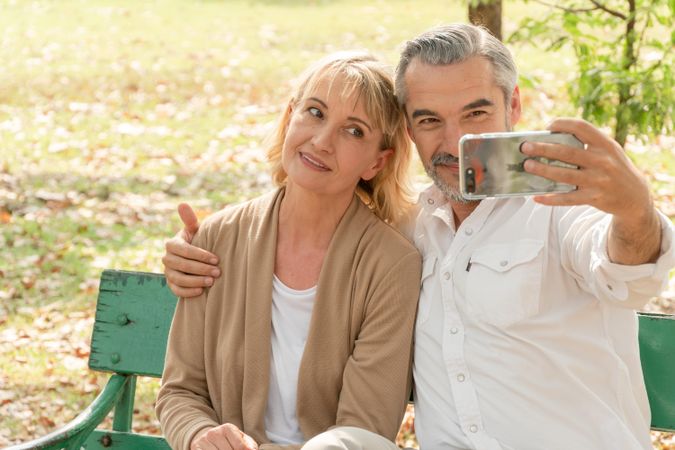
(323, 138)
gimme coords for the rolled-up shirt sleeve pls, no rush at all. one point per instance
(583, 244)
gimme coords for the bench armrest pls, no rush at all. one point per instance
(74, 433)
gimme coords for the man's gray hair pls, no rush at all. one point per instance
(454, 43)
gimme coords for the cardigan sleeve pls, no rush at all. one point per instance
(183, 402)
(377, 376)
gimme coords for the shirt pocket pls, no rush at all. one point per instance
(504, 282)
(426, 291)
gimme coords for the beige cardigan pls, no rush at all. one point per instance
(355, 368)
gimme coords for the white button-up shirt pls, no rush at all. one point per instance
(526, 335)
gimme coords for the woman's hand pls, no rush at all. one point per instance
(223, 437)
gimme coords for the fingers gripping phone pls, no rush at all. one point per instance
(491, 164)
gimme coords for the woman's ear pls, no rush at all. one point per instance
(379, 163)
(287, 115)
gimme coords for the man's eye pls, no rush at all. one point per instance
(316, 112)
(355, 131)
(477, 113)
(427, 121)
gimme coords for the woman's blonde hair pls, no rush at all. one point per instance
(389, 194)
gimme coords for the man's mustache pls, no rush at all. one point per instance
(444, 159)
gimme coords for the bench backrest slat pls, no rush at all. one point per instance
(133, 317)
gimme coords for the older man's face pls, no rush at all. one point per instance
(446, 102)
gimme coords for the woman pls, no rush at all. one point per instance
(310, 324)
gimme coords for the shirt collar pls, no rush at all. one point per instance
(431, 198)
(433, 203)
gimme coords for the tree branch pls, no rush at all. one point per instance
(599, 5)
(641, 40)
(570, 10)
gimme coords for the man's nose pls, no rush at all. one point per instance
(451, 137)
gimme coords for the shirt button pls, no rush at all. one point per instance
(461, 377)
(453, 330)
(446, 275)
(469, 231)
(503, 263)
(430, 201)
(473, 428)
(609, 286)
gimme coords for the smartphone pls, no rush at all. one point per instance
(491, 164)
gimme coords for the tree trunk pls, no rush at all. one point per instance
(487, 13)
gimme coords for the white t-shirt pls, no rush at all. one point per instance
(291, 314)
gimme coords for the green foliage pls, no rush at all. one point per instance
(624, 54)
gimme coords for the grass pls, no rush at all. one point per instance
(112, 112)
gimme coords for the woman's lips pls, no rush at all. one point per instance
(313, 162)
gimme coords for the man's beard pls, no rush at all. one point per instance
(450, 192)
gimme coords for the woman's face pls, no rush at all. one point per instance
(331, 143)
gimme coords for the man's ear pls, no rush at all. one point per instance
(515, 105)
(409, 131)
(408, 125)
(379, 163)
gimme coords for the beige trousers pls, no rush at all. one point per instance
(349, 438)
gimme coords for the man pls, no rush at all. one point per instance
(526, 334)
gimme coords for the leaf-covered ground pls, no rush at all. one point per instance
(113, 112)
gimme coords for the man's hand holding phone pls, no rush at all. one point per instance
(188, 269)
(607, 180)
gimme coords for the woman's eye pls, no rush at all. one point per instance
(316, 112)
(355, 131)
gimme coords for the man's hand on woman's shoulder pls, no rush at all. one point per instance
(188, 269)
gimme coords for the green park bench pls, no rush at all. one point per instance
(133, 316)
